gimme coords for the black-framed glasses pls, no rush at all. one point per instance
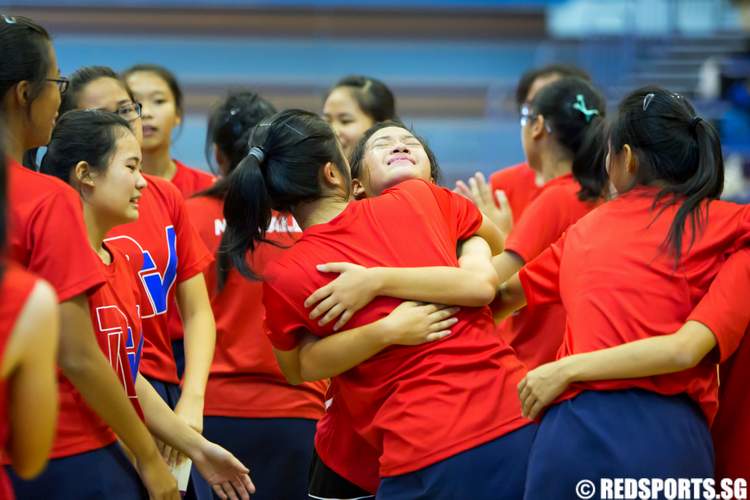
(61, 82)
(130, 111)
(527, 115)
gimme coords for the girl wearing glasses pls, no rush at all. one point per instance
(45, 217)
(628, 398)
(173, 257)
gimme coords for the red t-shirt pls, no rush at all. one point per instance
(190, 180)
(618, 284)
(519, 182)
(245, 380)
(725, 311)
(171, 251)
(463, 388)
(117, 326)
(535, 333)
(15, 287)
(47, 234)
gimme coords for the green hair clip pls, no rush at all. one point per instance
(580, 105)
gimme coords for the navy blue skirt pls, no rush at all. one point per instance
(618, 434)
(491, 471)
(103, 473)
(277, 451)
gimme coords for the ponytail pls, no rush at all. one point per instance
(247, 210)
(589, 168)
(281, 170)
(677, 151)
(706, 183)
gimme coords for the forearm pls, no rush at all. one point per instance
(642, 358)
(439, 285)
(333, 355)
(200, 341)
(510, 298)
(85, 366)
(164, 423)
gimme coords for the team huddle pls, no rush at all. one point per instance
(323, 317)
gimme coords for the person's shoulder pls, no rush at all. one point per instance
(161, 186)
(513, 174)
(37, 185)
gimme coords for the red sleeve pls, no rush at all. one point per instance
(192, 254)
(540, 225)
(60, 251)
(283, 326)
(457, 211)
(724, 309)
(540, 278)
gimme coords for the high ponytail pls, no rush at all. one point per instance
(677, 151)
(281, 170)
(247, 209)
(706, 183)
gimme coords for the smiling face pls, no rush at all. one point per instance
(44, 107)
(114, 191)
(346, 118)
(393, 155)
(108, 94)
(160, 114)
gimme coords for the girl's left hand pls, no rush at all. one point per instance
(540, 387)
(344, 296)
(228, 477)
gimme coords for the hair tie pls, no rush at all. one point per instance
(580, 105)
(694, 122)
(257, 153)
(647, 100)
(9, 19)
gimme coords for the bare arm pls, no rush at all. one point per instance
(85, 366)
(29, 363)
(219, 467)
(200, 341)
(321, 358)
(671, 353)
(472, 284)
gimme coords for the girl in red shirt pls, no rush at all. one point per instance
(250, 408)
(458, 387)
(627, 274)
(45, 216)
(29, 326)
(173, 257)
(105, 169)
(355, 104)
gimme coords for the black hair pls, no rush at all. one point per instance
(676, 150)
(284, 170)
(528, 78)
(229, 123)
(373, 97)
(357, 158)
(82, 77)
(82, 135)
(574, 111)
(24, 46)
(169, 78)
